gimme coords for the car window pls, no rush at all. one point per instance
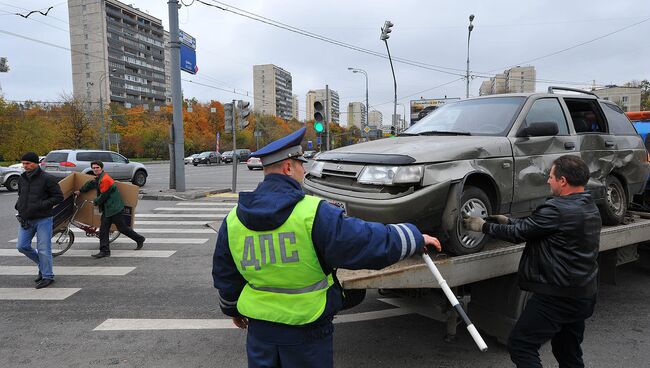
(104, 157)
(486, 116)
(56, 157)
(117, 158)
(618, 122)
(586, 116)
(548, 110)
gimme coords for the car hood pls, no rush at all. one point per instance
(421, 149)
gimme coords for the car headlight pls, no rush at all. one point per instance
(316, 168)
(390, 175)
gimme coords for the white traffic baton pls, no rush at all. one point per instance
(454, 303)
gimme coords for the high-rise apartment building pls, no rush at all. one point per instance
(356, 114)
(514, 80)
(118, 50)
(375, 118)
(272, 89)
(333, 101)
(296, 108)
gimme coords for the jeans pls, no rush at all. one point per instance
(104, 228)
(559, 319)
(42, 228)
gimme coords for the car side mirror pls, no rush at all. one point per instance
(127, 160)
(542, 129)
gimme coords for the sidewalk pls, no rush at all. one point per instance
(173, 195)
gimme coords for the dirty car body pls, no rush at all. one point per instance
(482, 156)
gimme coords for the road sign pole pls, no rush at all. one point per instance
(234, 146)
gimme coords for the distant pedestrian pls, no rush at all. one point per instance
(276, 257)
(111, 207)
(559, 266)
(38, 193)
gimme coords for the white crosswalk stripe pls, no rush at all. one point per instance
(13, 252)
(159, 231)
(125, 240)
(66, 271)
(215, 204)
(193, 209)
(172, 223)
(51, 293)
(216, 216)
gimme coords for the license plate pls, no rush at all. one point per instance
(338, 204)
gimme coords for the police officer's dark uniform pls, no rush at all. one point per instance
(275, 258)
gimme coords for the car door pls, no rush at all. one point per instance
(533, 156)
(121, 167)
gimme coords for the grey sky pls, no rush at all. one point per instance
(506, 33)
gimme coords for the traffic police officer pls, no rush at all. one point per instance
(276, 255)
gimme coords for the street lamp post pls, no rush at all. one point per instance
(469, 34)
(357, 70)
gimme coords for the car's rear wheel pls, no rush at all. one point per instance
(473, 202)
(12, 184)
(613, 211)
(139, 178)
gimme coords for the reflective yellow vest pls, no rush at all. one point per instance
(285, 281)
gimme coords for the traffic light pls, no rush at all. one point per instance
(244, 109)
(319, 116)
(227, 117)
(386, 29)
(392, 130)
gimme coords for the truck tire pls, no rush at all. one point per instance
(139, 178)
(12, 183)
(613, 210)
(473, 202)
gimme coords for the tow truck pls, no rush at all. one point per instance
(486, 281)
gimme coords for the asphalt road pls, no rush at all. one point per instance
(159, 308)
(204, 177)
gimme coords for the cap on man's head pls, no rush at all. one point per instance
(284, 148)
(30, 157)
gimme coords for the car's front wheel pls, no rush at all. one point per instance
(12, 184)
(473, 202)
(613, 211)
(139, 178)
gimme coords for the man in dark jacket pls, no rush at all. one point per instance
(38, 192)
(111, 207)
(275, 260)
(558, 265)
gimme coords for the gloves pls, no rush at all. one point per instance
(498, 219)
(473, 223)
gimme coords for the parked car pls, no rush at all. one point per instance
(9, 178)
(482, 156)
(61, 163)
(309, 154)
(242, 155)
(19, 165)
(254, 163)
(189, 159)
(207, 157)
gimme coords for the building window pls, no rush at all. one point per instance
(87, 66)
(85, 36)
(85, 46)
(83, 7)
(87, 75)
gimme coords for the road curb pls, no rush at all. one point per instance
(181, 196)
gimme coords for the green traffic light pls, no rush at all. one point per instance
(318, 126)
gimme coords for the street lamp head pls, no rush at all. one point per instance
(350, 68)
(471, 17)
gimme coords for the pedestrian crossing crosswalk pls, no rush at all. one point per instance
(181, 224)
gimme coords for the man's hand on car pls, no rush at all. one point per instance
(473, 223)
(498, 219)
(431, 241)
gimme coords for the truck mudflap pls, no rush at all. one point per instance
(497, 259)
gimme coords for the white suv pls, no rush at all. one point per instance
(61, 163)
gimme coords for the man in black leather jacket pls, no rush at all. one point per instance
(558, 265)
(38, 192)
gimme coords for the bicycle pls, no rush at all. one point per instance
(63, 237)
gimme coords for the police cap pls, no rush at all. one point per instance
(284, 148)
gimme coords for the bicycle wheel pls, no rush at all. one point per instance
(113, 235)
(62, 240)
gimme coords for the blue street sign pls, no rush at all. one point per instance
(310, 145)
(318, 140)
(188, 59)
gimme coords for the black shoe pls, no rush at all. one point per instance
(140, 244)
(44, 283)
(39, 278)
(101, 255)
